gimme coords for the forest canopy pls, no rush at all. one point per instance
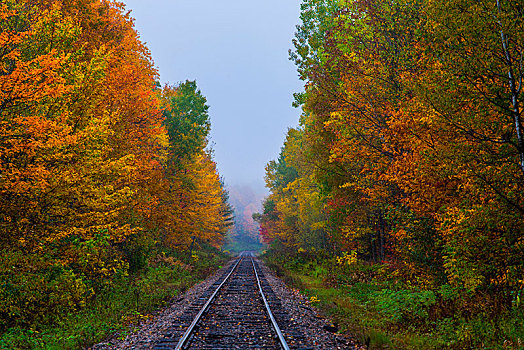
(410, 150)
(101, 168)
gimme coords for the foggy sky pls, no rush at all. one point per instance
(237, 51)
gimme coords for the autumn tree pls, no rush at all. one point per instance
(462, 130)
(411, 137)
(87, 156)
(192, 198)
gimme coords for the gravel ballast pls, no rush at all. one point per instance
(302, 314)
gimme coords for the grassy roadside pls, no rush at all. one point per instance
(122, 303)
(380, 309)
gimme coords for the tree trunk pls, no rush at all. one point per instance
(515, 85)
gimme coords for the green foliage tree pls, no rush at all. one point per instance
(187, 122)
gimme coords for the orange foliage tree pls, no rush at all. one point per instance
(86, 158)
(412, 136)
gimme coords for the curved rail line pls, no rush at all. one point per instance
(187, 335)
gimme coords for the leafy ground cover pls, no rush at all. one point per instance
(374, 303)
(121, 303)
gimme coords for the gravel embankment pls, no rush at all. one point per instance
(146, 334)
(301, 312)
(307, 317)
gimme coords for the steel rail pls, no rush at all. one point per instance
(283, 342)
(189, 330)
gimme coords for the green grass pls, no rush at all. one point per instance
(352, 316)
(384, 312)
(116, 309)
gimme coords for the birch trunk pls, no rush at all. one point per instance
(515, 85)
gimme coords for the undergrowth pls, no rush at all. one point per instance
(376, 304)
(117, 307)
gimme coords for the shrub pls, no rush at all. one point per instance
(403, 305)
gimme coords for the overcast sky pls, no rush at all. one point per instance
(237, 51)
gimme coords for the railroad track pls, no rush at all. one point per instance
(240, 311)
